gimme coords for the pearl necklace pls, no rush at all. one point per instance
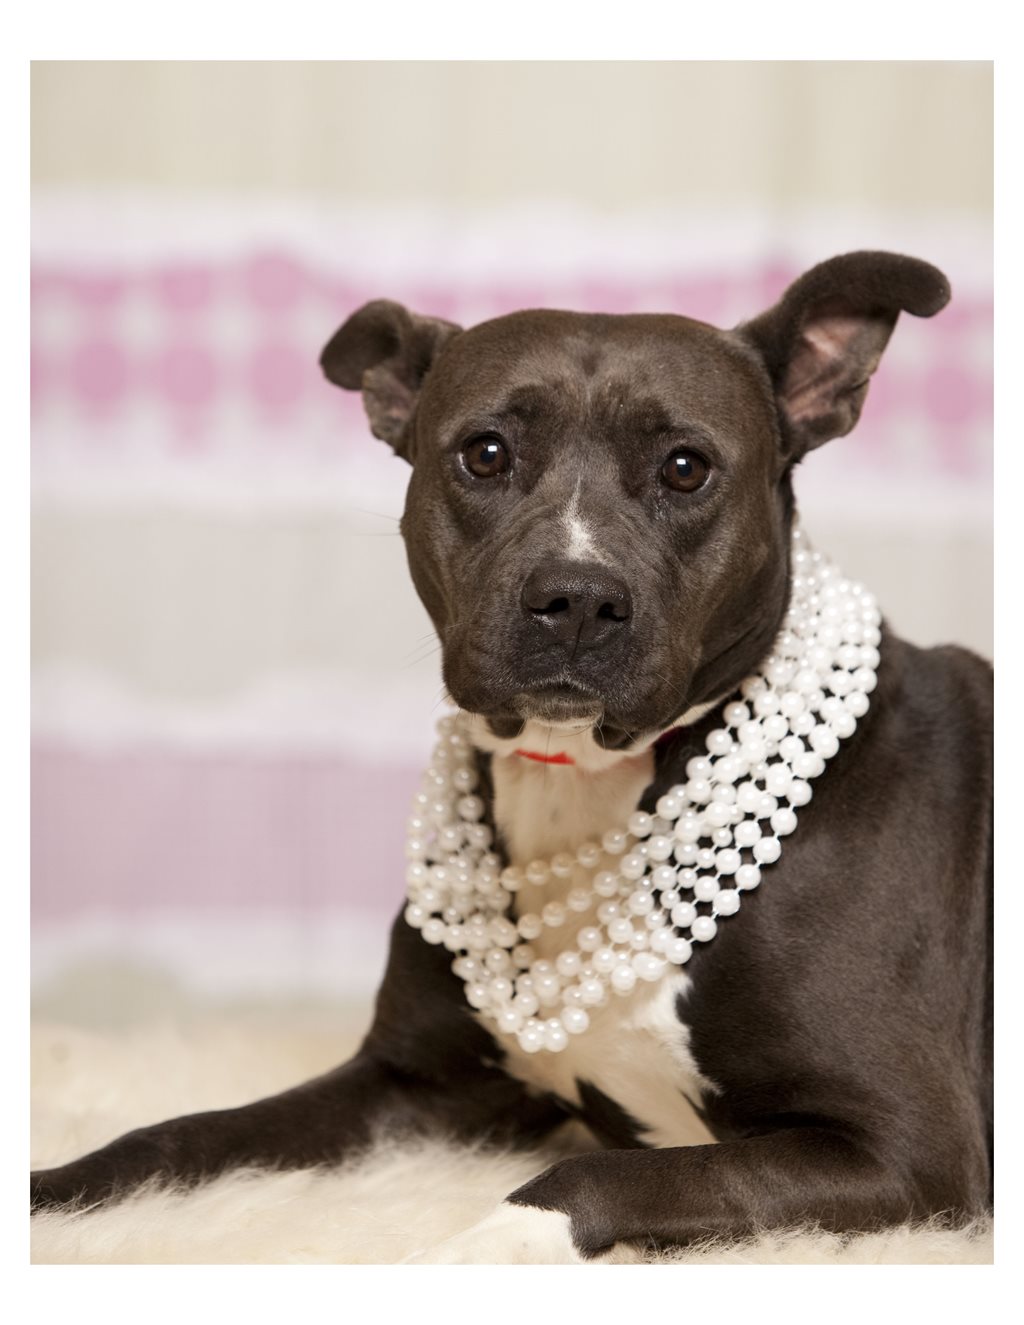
(663, 882)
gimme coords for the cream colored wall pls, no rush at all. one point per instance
(607, 135)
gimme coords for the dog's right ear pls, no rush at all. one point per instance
(385, 351)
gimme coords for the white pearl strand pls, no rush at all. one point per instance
(661, 883)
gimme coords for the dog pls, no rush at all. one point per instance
(599, 522)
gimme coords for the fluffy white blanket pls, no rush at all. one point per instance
(88, 1087)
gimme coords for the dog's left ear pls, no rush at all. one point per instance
(824, 338)
(385, 351)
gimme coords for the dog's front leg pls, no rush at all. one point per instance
(426, 1066)
(583, 1207)
(311, 1124)
(678, 1196)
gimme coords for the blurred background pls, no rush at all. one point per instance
(234, 683)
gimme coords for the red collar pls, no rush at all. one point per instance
(567, 759)
(546, 759)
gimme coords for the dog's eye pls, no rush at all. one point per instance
(685, 471)
(486, 456)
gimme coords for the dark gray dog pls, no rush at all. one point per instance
(598, 522)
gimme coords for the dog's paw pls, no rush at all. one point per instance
(510, 1235)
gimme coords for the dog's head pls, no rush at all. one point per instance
(599, 511)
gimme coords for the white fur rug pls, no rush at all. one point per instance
(89, 1086)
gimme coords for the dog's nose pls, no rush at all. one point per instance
(580, 604)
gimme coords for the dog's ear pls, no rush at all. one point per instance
(385, 351)
(823, 339)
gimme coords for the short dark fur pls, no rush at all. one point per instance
(846, 1018)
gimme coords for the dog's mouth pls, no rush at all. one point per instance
(563, 705)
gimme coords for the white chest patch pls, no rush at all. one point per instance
(636, 1050)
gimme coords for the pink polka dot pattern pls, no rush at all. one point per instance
(189, 340)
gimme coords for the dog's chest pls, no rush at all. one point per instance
(636, 1049)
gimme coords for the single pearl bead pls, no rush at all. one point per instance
(477, 994)
(562, 864)
(575, 1020)
(856, 703)
(727, 903)
(568, 964)
(864, 679)
(783, 821)
(766, 703)
(663, 877)
(778, 779)
(531, 1039)
(553, 914)
(502, 931)
(669, 807)
(592, 991)
(717, 814)
(729, 860)
(659, 847)
(526, 1003)
(705, 889)
(470, 807)
(767, 850)
(808, 765)
(547, 987)
(688, 830)
(604, 960)
(735, 714)
(641, 903)
(686, 853)
(698, 768)
(823, 741)
(605, 884)
(639, 823)
(416, 915)
(578, 899)
(509, 1020)
(684, 914)
(416, 873)
(478, 836)
(748, 876)
(589, 938)
(537, 872)
(464, 779)
(512, 878)
(623, 979)
(669, 898)
(648, 965)
(530, 926)
(799, 794)
(703, 929)
(523, 956)
(434, 930)
(632, 866)
(678, 951)
(620, 930)
(614, 842)
(776, 727)
(747, 833)
(588, 855)
(718, 742)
